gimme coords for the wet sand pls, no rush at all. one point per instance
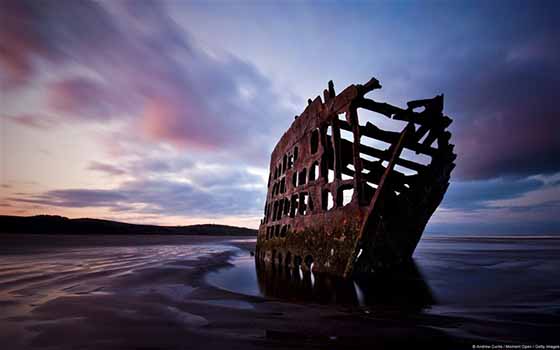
(153, 292)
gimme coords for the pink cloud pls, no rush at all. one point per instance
(82, 98)
(165, 120)
(32, 121)
(146, 73)
(16, 42)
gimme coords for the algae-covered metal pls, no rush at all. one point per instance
(353, 182)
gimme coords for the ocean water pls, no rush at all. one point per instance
(505, 287)
(34, 274)
(492, 289)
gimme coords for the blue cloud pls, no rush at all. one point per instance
(470, 195)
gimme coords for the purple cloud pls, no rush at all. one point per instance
(509, 119)
(82, 98)
(107, 168)
(54, 32)
(128, 64)
(502, 92)
(156, 197)
(171, 91)
(32, 121)
(75, 198)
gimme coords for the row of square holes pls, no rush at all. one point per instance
(287, 162)
(277, 231)
(313, 174)
(293, 206)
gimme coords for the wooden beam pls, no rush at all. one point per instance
(371, 218)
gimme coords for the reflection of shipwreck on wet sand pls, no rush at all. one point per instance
(346, 196)
(404, 287)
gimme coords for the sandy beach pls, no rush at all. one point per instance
(157, 292)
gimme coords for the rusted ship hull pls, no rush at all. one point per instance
(346, 196)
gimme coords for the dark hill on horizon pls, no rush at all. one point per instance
(54, 224)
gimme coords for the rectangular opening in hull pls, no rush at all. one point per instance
(327, 200)
(380, 120)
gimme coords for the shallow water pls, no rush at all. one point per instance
(501, 279)
(143, 287)
(37, 277)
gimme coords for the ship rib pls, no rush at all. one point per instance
(331, 150)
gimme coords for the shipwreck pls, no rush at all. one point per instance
(353, 183)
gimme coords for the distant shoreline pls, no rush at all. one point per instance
(53, 224)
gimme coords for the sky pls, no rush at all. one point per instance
(166, 112)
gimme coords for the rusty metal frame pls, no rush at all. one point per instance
(379, 227)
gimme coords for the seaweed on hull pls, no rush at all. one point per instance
(353, 183)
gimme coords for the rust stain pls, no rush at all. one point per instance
(346, 194)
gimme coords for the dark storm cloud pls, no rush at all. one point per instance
(509, 119)
(501, 83)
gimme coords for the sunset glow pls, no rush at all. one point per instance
(166, 112)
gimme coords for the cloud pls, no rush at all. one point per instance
(167, 186)
(132, 61)
(510, 122)
(32, 121)
(162, 197)
(79, 98)
(17, 42)
(54, 32)
(76, 198)
(106, 168)
(184, 120)
(502, 91)
(469, 195)
(530, 228)
(502, 205)
(542, 197)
